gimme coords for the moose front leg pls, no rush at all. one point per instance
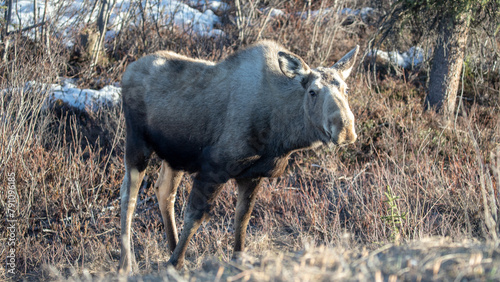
(199, 205)
(247, 193)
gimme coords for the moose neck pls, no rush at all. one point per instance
(296, 131)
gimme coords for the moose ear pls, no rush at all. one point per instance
(344, 65)
(293, 66)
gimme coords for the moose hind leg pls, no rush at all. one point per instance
(135, 166)
(128, 195)
(247, 193)
(200, 202)
(166, 190)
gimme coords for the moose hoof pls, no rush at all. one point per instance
(237, 255)
(124, 270)
(177, 264)
(127, 266)
(243, 258)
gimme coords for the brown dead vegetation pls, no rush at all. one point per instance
(327, 218)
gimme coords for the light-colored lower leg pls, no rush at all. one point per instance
(247, 193)
(166, 190)
(190, 227)
(128, 195)
(199, 204)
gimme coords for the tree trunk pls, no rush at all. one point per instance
(447, 64)
(8, 15)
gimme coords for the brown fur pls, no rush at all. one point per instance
(240, 118)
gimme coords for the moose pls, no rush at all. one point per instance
(239, 118)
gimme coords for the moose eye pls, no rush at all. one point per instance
(312, 93)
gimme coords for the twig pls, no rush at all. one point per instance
(308, 4)
(102, 23)
(43, 35)
(239, 18)
(489, 202)
(26, 28)
(8, 15)
(5, 53)
(265, 23)
(35, 18)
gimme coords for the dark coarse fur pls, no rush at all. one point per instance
(221, 116)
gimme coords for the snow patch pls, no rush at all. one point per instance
(273, 12)
(165, 13)
(214, 5)
(365, 13)
(411, 58)
(83, 99)
(59, 15)
(65, 17)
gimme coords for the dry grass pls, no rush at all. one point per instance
(428, 259)
(327, 218)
